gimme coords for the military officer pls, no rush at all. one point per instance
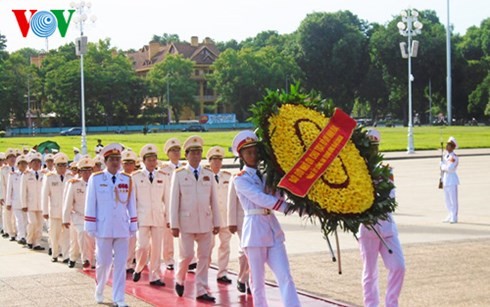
(235, 216)
(81, 244)
(194, 216)
(8, 218)
(215, 158)
(370, 246)
(99, 164)
(263, 238)
(149, 189)
(73, 168)
(52, 203)
(49, 161)
(30, 192)
(129, 158)
(13, 200)
(110, 217)
(450, 180)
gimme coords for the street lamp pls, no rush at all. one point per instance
(81, 49)
(168, 101)
(409, 26)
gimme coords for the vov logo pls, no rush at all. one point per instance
(43, 23)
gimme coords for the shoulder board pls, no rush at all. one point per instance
(180, 169)
(240, 173)
(162, 172)
(125, 174)
(73, 180)
(207, 167)
(184, 163)
(97, 173)
(50, 174)
(226, 172)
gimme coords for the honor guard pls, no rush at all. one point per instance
(110, 217)
(13, 200)
(129, 159)
(81, 244)
(149, 188)
(30, 192)
(263, 238)
(8, 219)
(371, 244)
(194, 216)
(52, 202)
(235, 222)
(450, 180)
(215, 158)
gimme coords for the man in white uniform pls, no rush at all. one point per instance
(370, 246)
(110, 217)
(81, 244)
(30, 194)
(450, 180)
(149, 188)
(194, 216)
(77, 156)
(8, 218)
(129, 158)
(263, 238)
(13, 200)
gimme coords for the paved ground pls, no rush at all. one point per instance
(447, 265)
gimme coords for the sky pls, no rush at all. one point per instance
(132, 24)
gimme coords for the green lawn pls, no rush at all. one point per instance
(393, 139)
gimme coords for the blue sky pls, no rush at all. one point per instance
(131, 24)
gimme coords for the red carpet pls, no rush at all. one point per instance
(226, 295)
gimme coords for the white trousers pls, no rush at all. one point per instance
(242, 262)
(9, 221)
(81, 244)
(370, 246)
(35, 227)
(186, 247)
(149, 242)
(59, 237)
(106, 250)
(224, 237)
(168, 246)
(131, 253)
(21, 223)
(277, 259)
(451, 196)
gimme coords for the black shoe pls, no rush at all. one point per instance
(86, 264)
(130, 271)
(54, 259)
(71, 264)
(5, 235)
(241, 287)
(50, 251)
(224, 280)
(170, 267)
(12, 239)
(29, 246)
(22, 241)
(206, 297)
(66, 260)
(158, 283)
(136, 276)
(179, 289)
(192, 266)
(38, 248)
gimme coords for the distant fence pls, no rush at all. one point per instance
(126, 129)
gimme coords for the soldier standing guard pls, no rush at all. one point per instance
(450, 180)
(194, 216)
(110, 217)
(149, 189)
(215, 158)
(30, 192)
(73, 215)
(263, 238)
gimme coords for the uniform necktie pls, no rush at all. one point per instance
(176, 167)
(61, 177)
(151, 177)
(113, 179)
(196, 174)
(37, 176)
(217, 178)
(13, 169)
(259, 175)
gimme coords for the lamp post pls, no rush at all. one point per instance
(168, 101)
(409, 26)
(448, 69)
(81, 49)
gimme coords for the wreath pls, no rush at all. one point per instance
(354, 188)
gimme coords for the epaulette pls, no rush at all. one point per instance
(180, 169)
(184, 163)
(226, 172)
(97, 173)
(73, 180)
(240, 173)
(126, 174)
(162, 172)
(207, 167)
(50, 174)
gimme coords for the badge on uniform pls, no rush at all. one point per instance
(54, 183)
(80, 191)
(103, 185)
(159, 181)
(123, 187)
(206, 178)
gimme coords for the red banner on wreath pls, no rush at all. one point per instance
(319, 155)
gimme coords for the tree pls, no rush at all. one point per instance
(166, 38)
(174, 71)
(334, 55)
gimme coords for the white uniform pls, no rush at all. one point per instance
(30, 194)
(13, 199)
(8, 217)
(194, 211)
(263, 238)
(450, 181)
(150, 206)
(235, 218)
(224, 234)
(52, 203)
(81, 244)
(110, 217)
